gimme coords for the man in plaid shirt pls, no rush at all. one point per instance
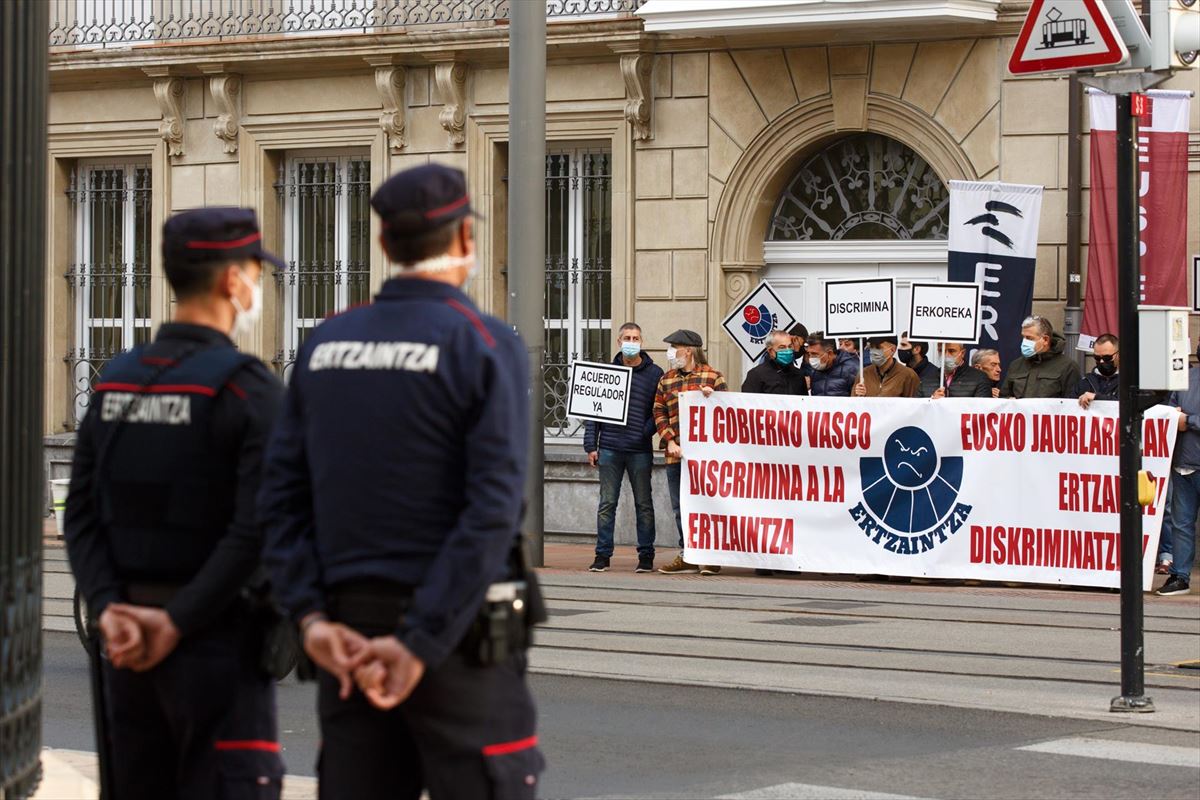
(689, 370)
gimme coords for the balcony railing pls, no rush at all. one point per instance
(125, 23)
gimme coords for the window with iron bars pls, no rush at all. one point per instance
(109, 281)
(327, 222)
(578, 312)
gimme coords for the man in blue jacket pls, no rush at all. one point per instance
(620, 449)
(834, 371)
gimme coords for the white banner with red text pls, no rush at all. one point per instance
(999, 490)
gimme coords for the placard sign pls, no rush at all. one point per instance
(857, 308)
(1195, 284)
(599, 392)
(944, 312)
(755, 317)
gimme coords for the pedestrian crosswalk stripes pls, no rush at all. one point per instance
(1111, 750)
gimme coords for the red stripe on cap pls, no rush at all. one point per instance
(136, 388)
(475, 320)
(247, 744)
(504, 748)
(242, 242)
(446, 209)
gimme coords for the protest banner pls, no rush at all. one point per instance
(1020, 490)
(599, 392)
(1162, 204)
(755, 317)
(993, 242)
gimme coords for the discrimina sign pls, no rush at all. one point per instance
(857, 308)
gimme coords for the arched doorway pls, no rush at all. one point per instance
(863, 205)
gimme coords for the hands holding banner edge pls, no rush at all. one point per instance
(383, 669)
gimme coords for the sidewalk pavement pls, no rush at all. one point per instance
(1025, 649)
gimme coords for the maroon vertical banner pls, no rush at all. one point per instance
(1162, 207)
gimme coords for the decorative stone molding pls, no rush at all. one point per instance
(169, 90)
(739, 280)
(637, 69)
(451, 80)
(227, 92)
(389, 81)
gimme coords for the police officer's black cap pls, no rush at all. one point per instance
(205, 235)
(419, 200)
(685, 337)
(875, 341)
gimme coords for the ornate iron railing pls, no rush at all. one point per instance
(578, 312)
(326, 224)
(122, 23)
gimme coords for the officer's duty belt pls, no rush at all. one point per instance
(375, 606)
(151, 594)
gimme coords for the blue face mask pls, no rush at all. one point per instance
(785, 356)
(1027, 348)
(630, 349)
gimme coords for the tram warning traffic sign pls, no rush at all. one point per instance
(1065, 35)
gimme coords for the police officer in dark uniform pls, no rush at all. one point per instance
(392, 500)
(161, 533)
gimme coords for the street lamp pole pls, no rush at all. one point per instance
(527, 234)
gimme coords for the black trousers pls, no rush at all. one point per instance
(465, 732)
(199, 726)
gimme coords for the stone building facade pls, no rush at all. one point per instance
(684, 146)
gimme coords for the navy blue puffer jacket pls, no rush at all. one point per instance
(637, 434)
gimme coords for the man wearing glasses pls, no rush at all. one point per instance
(1101, 383)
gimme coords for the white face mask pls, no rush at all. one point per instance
(814, 362)
(672, 357)
(440, 263)
(246, 319)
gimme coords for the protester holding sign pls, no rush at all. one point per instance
(689, 372)
(626, 449)
(779, 373)
(886, 377)
(1043, 370)
(1101, 383)
(834, 370)
(962, 380)
(915, 356)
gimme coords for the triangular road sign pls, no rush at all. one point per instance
(1063, 35)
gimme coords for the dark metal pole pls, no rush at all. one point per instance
(527, 234)
(1133, 685)
(24, 28)
(1074, 313)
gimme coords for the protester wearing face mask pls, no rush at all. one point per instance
(689, 371)
(886, 376)
(1101, 382)
(1043, 370)
(618, 450)
(834, 371)
(962, 380)
(780, 373)
(914, 355)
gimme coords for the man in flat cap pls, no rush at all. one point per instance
(392, 500)
(689, 371)
(161, 533)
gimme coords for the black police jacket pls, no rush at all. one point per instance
(166, 468)
(770, 377)
(401, 455)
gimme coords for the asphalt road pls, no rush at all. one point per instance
(607, 738)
